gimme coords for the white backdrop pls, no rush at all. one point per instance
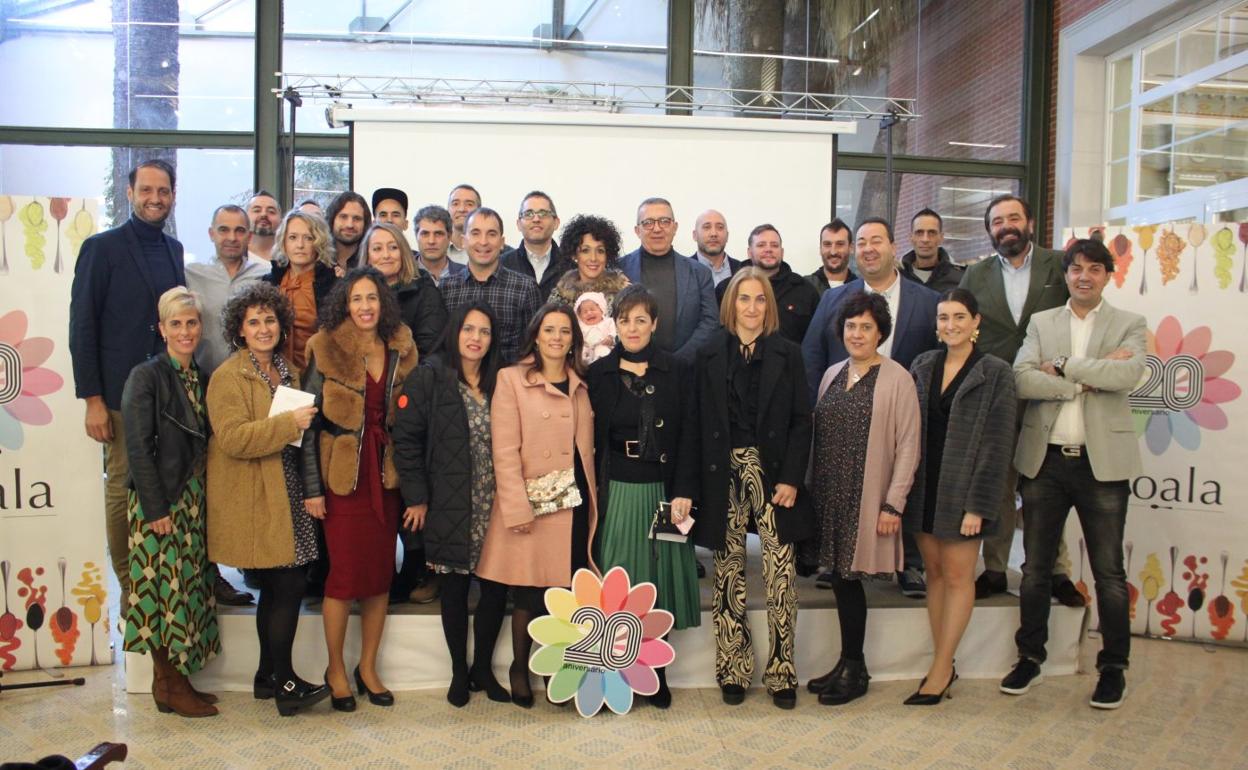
(51, 488)
(752, 170)
(1187, 525)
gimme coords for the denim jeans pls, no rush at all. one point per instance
(1102, 509)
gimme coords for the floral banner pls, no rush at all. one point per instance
(52, 567)
(1186, 543)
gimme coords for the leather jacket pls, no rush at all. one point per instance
(165, 442)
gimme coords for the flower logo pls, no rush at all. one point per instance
(1184, 389)
(601, 642)
(23, 380)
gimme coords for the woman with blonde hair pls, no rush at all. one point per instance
(171, 609)
(420, 302)
(303, 255)
(754, 414)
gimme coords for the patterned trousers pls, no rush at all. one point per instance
(734, 655)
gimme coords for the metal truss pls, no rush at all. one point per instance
(603, 97)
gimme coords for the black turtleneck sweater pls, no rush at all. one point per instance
(658, 274)
(156, 254)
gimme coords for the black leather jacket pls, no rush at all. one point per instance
(165, 442)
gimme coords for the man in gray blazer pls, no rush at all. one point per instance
(1078, 448)
(1021, 278)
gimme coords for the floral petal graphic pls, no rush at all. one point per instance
(1185, 432)
(1157, 433)
(552, 630)
(35, 351)
(1217, 363)
(40, 382)
(641, 599)
(547, 660)
(619, 695)
(10, 431)
(587, 589)
(565, 683)
(1197, 341)
(656, 653)
(641, 678)
(13, 327)
(1169, 337)
(1220, 391)
(1208, 416)
(590, 694)
(29, 410)
(561, 603)
(656, 623)
(614, 590)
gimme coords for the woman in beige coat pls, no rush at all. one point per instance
(256, 515)
(542, 428)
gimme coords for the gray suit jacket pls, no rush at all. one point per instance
(1112, 447)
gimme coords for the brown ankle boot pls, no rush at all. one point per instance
(176, 695)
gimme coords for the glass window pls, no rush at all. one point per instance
(1120, 78)
(1158, 65)
(1118, 192)
(960, 201)
(1233, 32)
(908, 49)
(207, 178)
(186, 65)
(1198, 47)
(1119, 134)
(321, 178)
(492, 40)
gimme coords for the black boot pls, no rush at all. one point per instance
(663, 698)
(850, 683)
(817, 684)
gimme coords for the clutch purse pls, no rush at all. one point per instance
(663, 528)
(553, 491)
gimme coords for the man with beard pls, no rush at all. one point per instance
(118, 279)
(912, 307)
(1019, 280)
(796, 299)
(264, 215)
(538, 255)
(928, 262)
(836, 249)
(463, 200)
(682, 287)
(433, 236)
(710, 233)
(217, 280)
(348, 217)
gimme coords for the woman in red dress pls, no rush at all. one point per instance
(357, 363)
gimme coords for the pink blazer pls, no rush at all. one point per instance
(535, 428)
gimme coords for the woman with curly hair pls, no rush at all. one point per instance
(303, 258)
(593, 245)
(357, 363)
(257, 519)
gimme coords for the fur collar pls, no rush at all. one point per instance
(339, 353)
(571, 286)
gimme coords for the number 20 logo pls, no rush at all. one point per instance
(1176, 384)
(612, 643)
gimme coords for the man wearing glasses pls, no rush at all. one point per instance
(683, 288)
(538, 255)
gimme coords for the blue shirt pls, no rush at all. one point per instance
(1017, 281)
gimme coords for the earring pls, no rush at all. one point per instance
(938, 338)
(975, 336)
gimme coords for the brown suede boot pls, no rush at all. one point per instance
(176, 695)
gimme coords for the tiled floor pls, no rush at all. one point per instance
(1187, 708)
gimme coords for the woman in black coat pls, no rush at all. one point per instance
(645, 447)
(967, 404)
(446, 471)
(755, 442)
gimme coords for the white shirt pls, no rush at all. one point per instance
(1068, 427)
(214, 285)
(539, 263)
(1017, 281)
(721, 273)
(253, 255)
(456, 254)
(893, 295)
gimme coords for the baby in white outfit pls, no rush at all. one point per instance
(597, 328)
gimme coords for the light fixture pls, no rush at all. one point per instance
(979, 144)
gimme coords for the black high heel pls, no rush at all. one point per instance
(519, 682)
(262, 687)
(483, 679)
(932, 699)
(345, 703)
(383, 698)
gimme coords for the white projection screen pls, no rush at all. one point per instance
(752, 170)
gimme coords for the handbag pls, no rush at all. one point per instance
(554, 491)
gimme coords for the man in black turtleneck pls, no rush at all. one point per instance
(118, 279)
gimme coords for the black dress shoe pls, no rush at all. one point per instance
(733, 694)
(663, 697)
(701, 568)
(383, 698)
(786, 698)
(483, 679)
(297, 694)
(262, 686)
(1066, 593)
(817, 684)
(345, 703)
(849, 684)
(931, 698)
(228, 594)
(459, 692)
(989, 583)
(519, 684)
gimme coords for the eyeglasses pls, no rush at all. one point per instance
(528, 214)
(650, 224)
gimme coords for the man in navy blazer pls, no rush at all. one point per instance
(683, 288)
(913, 309)
(118, 279)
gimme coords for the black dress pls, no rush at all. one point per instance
(939, 405)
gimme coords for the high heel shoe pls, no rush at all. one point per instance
(345, 703)
(483, 679)
(383, 698)
(932, 698)
(519, 683)
(262, 687)
(297, 694)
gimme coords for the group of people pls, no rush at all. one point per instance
(537, 410)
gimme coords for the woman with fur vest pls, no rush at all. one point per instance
(357, 363)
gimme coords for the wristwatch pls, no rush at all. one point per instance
(1059, 363)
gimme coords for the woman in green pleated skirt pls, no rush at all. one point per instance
(646, 452)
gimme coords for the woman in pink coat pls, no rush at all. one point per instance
(545, 510)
